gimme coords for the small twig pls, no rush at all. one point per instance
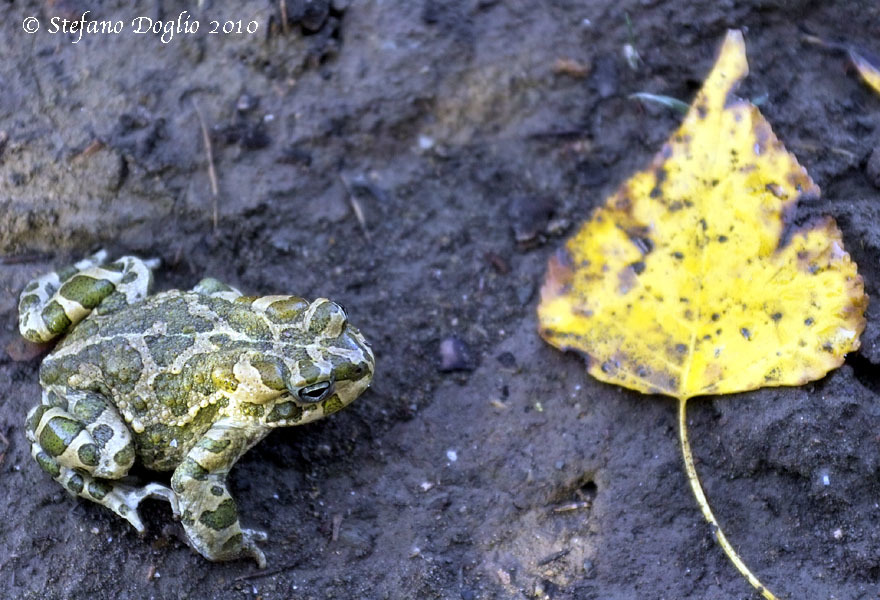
(5, 447)
(88, 150)
(284, 26)
(570, 506)
(356, 208)
(212, 174)
(258, 574)
(337, 523)
(555, 556)
(20, 259)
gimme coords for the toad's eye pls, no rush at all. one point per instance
(316, 392)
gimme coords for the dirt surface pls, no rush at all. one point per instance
(471, 151)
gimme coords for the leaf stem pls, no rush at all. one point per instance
(704, 505)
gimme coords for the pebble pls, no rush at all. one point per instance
(455, 355)
(507, 360)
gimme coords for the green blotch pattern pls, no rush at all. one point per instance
(332, 404)
(116, 267)
(223, 517)
(55, 318)
(285, 311)
(212, 445)
(75, 483)
(53, 400)
(125, 456)
(57, 435)
(273, 373)
(88, 408)
(233, 544)
(102, 434)
(166, 348)
(48, 464)
(34, 418)
(86, 290)
(88, 455)
(217, 490)
(28, 302)
(188, 469)
(309, 371)
(98, 489)
(121, 365)
(66, 273)
(285, 410)
(51, 372)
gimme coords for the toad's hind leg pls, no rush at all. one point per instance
(208, 512)
(80, 440)
(53, 303)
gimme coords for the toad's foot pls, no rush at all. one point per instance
(124, 500)
(249, 547)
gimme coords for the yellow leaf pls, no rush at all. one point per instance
(689, 282)
(870, 71)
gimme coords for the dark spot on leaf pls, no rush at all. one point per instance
(808, 321)
(776, 316)
(638, 267)
(645, 245)
(746, 333)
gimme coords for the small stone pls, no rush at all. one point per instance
(315, 14)
(606, 78)
(455, 356)
(589, 569)
(873, 167)
(507, 360)
(246, 103)
(524, 293)
(530, 216)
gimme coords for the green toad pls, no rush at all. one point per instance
(185, 381)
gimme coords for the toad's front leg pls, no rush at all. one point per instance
(207, 509)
